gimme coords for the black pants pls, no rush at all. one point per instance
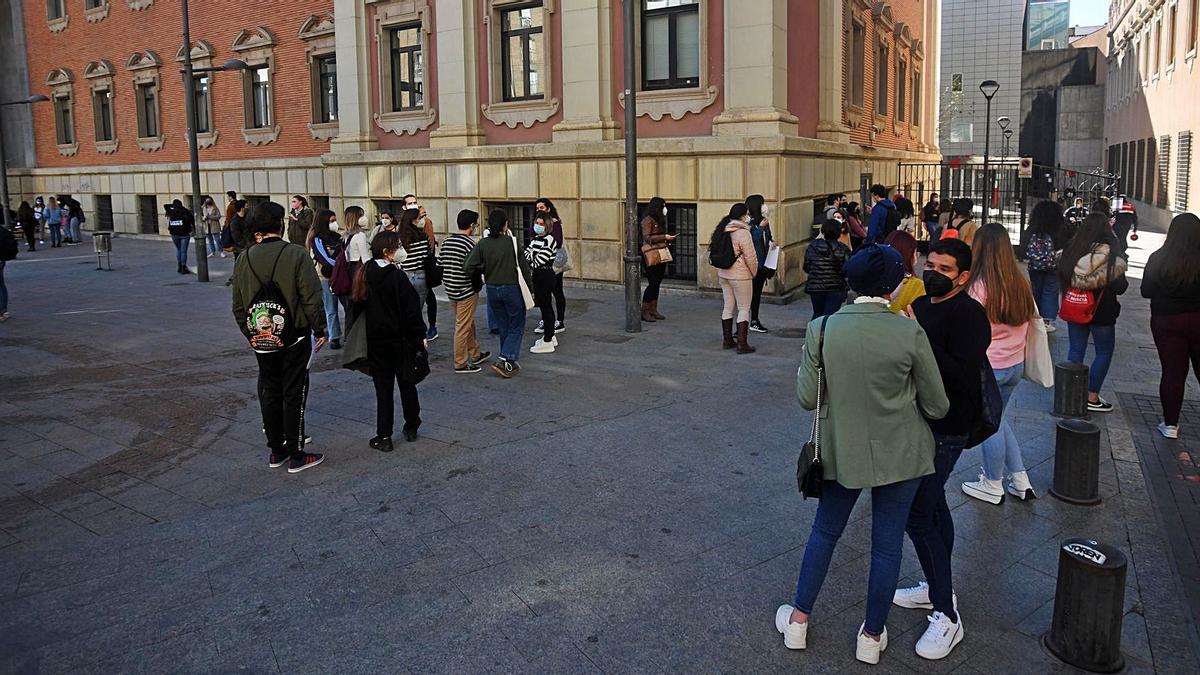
(385, 414)
(30, 237)
(431, 306)
(543, 294)
(760, 280)
(282, 394)
(931, 527)
(560, 298)
(654, 275)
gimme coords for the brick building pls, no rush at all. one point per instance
(487, 103)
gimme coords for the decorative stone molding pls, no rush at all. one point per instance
(59, 81)
(883, 15)
(261, 136)
(68, 150)
(391, 15)
(139, 5)
(257, 48)
(525, 113)
(207, 139)
(99, 69)
(317, 26)
(108, 147)
(140, 61)
(251, 43)
(674, 102)
(60, 78)
(854, 116)
(59, 25)
(918, 49)
(325, 131)
(99, 75)
(903, 34)
(97, 14)
(202, 56)
(408, 122)
(145, 66)
(318, 31)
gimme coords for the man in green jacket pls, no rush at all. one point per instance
(283, 374)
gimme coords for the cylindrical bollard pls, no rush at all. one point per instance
(1070, 390)
(1077, 463)
(1089, 603)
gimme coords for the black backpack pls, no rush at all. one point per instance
(720, 253)
(8, 245)
(892, 222)
(270, 327)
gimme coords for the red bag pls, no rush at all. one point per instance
(340, 282)
(1079, 306)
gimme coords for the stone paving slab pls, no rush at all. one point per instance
(626, 504)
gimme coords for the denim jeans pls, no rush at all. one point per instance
(1002, 452)
(932, 229)
(493, 324)
(55, 234)
(1105, 339)
(181, 247)
(827, 303)
(419, 285)
(214, 243)
(890, 506)
(931, 527)
(509, 306)
(333, 327)
(73, 230)
(3, 289)
(1045, 292)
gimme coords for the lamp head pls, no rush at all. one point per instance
(234, 64)
(989, 88)
(1008, 133)
(1003, 122)
(37, 98)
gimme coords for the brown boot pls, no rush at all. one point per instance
(646, 315)
(743, 330)
(654, 311)
(727, 332)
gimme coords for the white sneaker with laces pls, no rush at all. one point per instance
(542, 347)
(990, 491)
(541, 328)
(795, 635)
(1168, 430)
(917, 597)
(869, 648)
(1020, 487)
(940, 637)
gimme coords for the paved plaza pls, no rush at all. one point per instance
(627, 504)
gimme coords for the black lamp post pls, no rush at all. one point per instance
(1003, 123)
(36, 98)
(632, 258)
(1007, 145)
(988, 88)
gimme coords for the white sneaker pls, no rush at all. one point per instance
(5, 317)
(1050, 327)
(940, 637)
(1168, 430)
(917, 597)
(541, 328)
(869, 648)
(795, 635)
(554, 340)
(1020, 487)
(990, 491)
(542, 347)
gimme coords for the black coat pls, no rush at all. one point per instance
(824, 262)
(394, 314)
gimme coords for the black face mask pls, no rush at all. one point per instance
(937, 285)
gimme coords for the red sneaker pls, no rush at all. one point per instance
(305, 461)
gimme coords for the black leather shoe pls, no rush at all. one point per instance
(382, 443)
(410, 435)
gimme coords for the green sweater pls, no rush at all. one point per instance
(295, 274)
(882, 382)
(497, 260)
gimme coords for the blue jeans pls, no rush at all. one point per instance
(56, 234)
(932, 229)
(181, 247)
(890, 506)
(827, 303)
(1045, 292)
(73, 230)
(509, 307)
(333, 327)
(419, 285)
(1001, 451)
(1105, 339)
(3, 289)
(493, 325)
(214, 243)
(931, 527)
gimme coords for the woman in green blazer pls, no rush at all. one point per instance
(881, 383)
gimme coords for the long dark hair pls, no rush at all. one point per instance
(302, 200)
(754, 204)
(408, 231)
(1093, 231)
(25, 212)
(265, 218)
(497, 219)
(1047, 220)
(320, 226)
(654, 210)
(382, 243)
(736, 212)
(1177, 259)
(549, 207)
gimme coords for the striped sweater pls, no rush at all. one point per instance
(540, 252)
(418, 251)
(451, 255)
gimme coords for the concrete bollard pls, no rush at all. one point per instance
(1089, 603)
(1077, 463)
(1070, 390)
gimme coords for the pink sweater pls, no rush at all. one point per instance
(1008, 342)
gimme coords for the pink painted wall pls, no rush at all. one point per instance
(540, 132)
(803, 69)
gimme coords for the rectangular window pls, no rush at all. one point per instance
(1164, 170)
(916, 98)
(55, 9)
(203, 116)
(901, 89)
(258, 97)
(1183, 170)
(325, 94)
(93, 4)
(881, 80)
(1193, 25)
(520, 216)
(104, 213)
(63, 122)
(1157, 46)
(1139, 169)
(1150, 196)
(681, 222)
(102, 114)
(962, 132)
(407, 68)
(1172, 26)
(857, 65)
(670, 44)
(522, 53)
(956, 83)
(147, 110)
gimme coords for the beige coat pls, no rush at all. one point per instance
(746, 265)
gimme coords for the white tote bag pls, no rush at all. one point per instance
(1039, 365)
(525, 294)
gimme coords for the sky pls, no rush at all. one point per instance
(1089, 12)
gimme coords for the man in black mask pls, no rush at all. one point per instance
(958, 330)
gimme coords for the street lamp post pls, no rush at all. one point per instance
(633, 281)
(36, 98)
(1003, 123)
(1007, 145)
(988, 88)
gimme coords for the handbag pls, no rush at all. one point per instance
(1079, 306)
(562, 261)
(433, 271)
(414, 364)
(1039, 365)
(992, 407)
(810, 474)
(657, 256)
(525, 294)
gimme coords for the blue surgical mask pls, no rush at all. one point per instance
(539, 230)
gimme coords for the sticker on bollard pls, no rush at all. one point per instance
(1089, 604)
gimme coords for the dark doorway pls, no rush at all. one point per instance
(520, 217)
(681, 220)
(104, 213)
(147, 214)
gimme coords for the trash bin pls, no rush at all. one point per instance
(1070, 390)
(102, 243)
(1089, 603)
(1077, 463)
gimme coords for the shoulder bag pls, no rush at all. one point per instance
(525, 294)
(1039, 364)
(810, 475)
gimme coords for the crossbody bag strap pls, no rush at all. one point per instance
(274, 265)
(816, 429)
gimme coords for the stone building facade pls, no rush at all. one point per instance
(489, 104)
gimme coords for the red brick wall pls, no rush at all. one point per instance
(158, 29)
(895, 135)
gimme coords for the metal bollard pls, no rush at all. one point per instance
(1089, 603)
(1070, 390)
(102, 243)
(1077, 463)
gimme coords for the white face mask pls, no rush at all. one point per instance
(399, 256)
(385, 222)
(363, 222)
(766, 210)
(664, 212)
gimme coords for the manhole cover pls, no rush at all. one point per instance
(792, 333)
